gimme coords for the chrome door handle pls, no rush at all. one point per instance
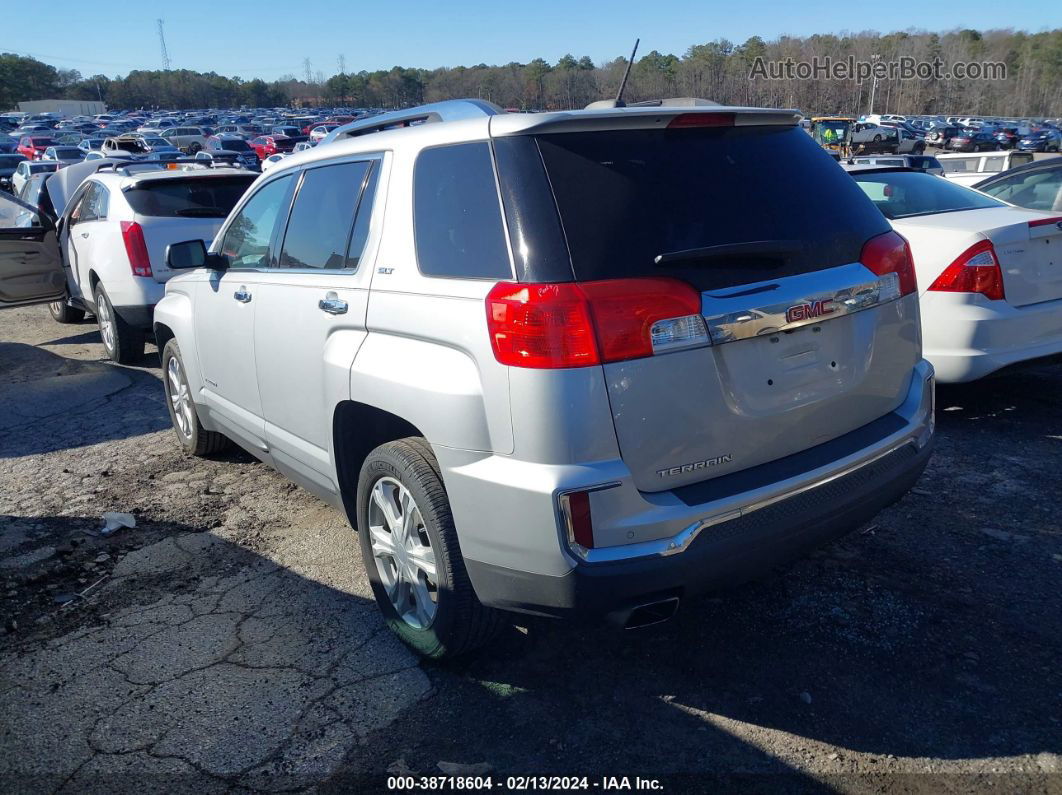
(84, 234)
(332, 304)
(242, 295)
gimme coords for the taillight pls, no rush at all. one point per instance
(975, 271)
(136, 248)
(702, 120)
(588, 323)
(890, 253)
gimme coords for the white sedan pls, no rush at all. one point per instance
(989, 273)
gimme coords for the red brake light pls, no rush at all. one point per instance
(136, 248)
(975, 271)
(588, 323)
(890, 253)
(702, 120)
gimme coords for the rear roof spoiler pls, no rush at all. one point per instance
(451, 110)
(643, 115)
(635, 117)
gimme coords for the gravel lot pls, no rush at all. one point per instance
(229, 639)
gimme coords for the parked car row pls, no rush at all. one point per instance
(568, 318)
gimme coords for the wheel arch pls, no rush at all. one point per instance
(357, 430)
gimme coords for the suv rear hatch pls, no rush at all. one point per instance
(173, 209)
(806, 343)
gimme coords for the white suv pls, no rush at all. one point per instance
(112, 239)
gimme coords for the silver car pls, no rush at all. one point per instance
(573, 363)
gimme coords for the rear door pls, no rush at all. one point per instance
(806, 346)
(31, 270)
(225, 306)
(310, 319)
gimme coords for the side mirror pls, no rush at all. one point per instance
(193, 254)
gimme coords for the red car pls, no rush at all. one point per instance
(33, 146)
(266, 145)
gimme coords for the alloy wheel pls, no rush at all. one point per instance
(180, 398)
(403, 553)
(106, 321)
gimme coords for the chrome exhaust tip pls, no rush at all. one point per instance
(652, 613)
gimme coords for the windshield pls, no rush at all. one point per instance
(628, 197)
(830, 131)
(903, 194)
(235, 145)
(10, 161)
(38, 166)
(211, 197)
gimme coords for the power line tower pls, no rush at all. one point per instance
(306, 67)
(162, 46)
(342, 64)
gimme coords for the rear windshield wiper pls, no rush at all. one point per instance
(202, 212)
(753, 248)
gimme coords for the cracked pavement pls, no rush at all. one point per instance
(229, 639)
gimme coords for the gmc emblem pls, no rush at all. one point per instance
(807, 311)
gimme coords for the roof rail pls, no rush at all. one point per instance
(450, 110)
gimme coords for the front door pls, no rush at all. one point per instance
(311, 317)
(225, 306)
(31, 271)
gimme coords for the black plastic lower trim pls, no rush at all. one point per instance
(137, 316)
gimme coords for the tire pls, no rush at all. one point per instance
(124, 343)
(437, 619)
(62, 312)
(194, 438)
(877, 139)
(919, 151)
(194, 148)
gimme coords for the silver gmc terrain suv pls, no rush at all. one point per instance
(574, 363)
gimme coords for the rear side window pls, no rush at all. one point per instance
(457, 214)
(322, 217)
(715, 207)
(960, 165)
(188, 198)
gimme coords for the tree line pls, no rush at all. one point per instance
(718, 70)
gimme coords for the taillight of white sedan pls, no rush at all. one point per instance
(989, 273)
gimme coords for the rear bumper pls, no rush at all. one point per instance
(967, 337)
(696, 538)
(723, 555)
(134, 299)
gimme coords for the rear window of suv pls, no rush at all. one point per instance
(457, 214)
(188, 198)
(768, 200)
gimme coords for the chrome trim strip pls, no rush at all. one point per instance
(795, 302)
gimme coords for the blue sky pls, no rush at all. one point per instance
(270, 38)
